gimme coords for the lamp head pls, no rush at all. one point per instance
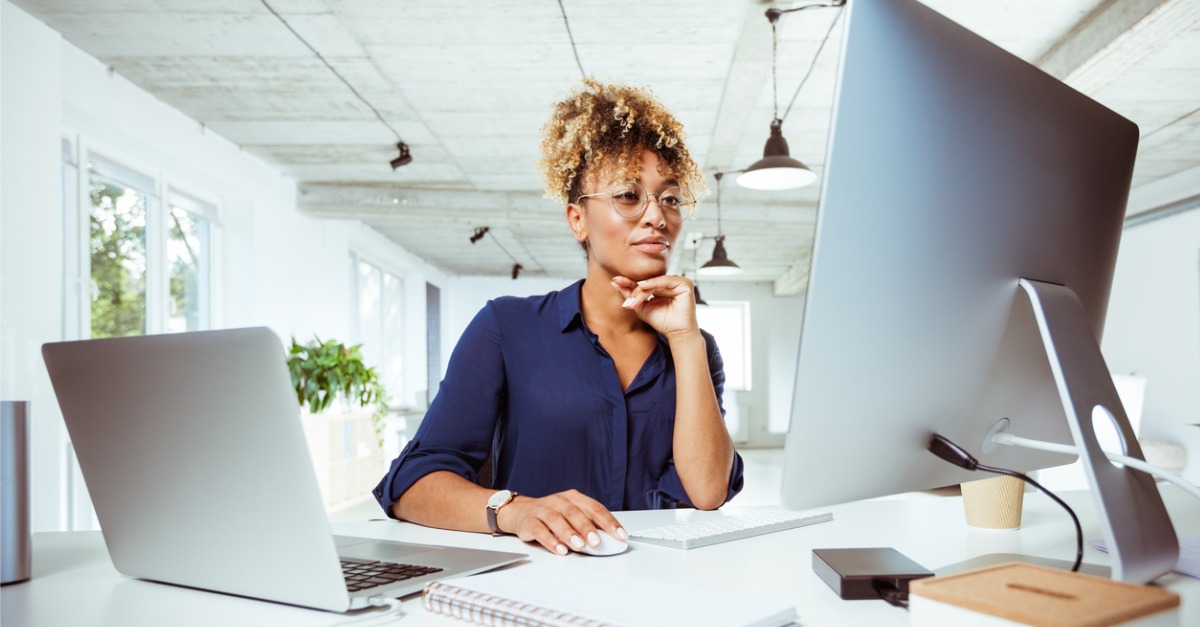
(720, 264)
(777, 169)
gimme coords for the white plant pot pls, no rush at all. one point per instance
(346, 456)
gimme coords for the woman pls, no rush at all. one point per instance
(603, 396)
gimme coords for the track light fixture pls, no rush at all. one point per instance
(480, 232)
(405, 157)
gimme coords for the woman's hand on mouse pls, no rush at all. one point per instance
(666, 303)
(561, 522)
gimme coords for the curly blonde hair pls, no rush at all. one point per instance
(612, 125)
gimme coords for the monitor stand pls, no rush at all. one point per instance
(1141, 541)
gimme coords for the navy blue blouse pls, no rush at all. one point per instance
(534, 366)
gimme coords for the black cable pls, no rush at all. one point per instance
(332, 69)
(572, 38)
(949, 451)
(890, 593)
(1074, 518)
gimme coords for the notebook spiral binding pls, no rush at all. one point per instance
(486, 609)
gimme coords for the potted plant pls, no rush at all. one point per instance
(324, 371)
(347, 403)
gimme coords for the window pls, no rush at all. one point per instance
(146, 264)
(729, 322)
(377, 321)
(117, 250)
(188, 251)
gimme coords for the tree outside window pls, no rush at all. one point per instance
(118, 259)
(187, 244)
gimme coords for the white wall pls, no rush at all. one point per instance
(31, 305)
(1153, 325)
(464, 296)
(274, 267)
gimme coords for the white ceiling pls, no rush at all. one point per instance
(469, 85)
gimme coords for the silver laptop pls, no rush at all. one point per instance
(192, 449)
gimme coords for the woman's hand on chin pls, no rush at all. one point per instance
(666, 303)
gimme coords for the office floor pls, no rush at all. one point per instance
(764, 471)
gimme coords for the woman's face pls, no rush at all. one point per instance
(637, 248)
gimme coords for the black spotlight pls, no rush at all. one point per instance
(516, 270)
(405, 157)
(479, 233)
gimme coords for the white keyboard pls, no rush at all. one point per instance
(727, 527)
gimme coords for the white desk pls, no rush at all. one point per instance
(74, 583)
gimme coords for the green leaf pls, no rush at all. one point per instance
(322, 371)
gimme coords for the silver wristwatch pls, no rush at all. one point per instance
(495, 502)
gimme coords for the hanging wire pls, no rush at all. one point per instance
(773, 16)
(812, 66)
(482, 231)
(718, 176)
(334, 70)
(510, 255)
(774, 75)
(572, 38)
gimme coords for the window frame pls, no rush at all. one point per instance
(82, 157)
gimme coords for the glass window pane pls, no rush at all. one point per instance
(370, 311)
(187, 254)
(118, 259)
(377, 309)
(729, 324)
(391, 368)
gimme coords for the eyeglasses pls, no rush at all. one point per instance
(630, 200)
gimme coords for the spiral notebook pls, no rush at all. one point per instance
(554, 595)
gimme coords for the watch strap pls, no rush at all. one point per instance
(492, 511)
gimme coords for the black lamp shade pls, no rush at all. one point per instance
(720, 264)
(777, 169)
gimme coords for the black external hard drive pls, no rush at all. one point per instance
(859, 573)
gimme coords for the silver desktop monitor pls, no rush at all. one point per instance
(970, 217)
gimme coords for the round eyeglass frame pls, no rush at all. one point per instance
(686, 211)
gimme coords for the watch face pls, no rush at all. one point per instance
(499, 498)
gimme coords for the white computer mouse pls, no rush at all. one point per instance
(608, 545)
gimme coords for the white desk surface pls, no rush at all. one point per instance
(74, 583)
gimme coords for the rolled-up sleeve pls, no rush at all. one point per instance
(669, 492)
(456, 433)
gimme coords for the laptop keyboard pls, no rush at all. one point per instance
(363, 574)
